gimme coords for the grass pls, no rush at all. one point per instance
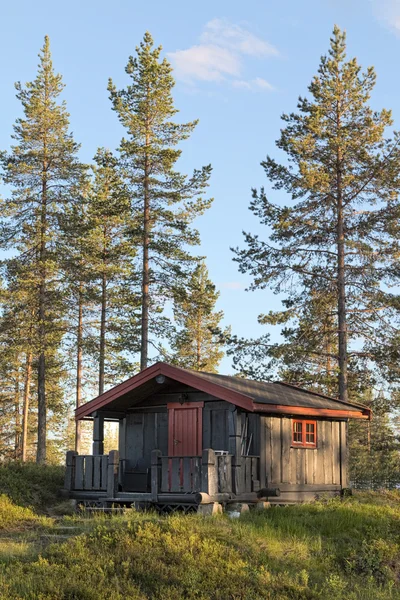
(338, 549)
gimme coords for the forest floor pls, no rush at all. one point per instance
(334, 549)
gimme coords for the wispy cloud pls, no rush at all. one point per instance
(253, 84)
(388, 11)
(220, 56)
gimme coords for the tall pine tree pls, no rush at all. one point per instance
(163, 201)
(338, 234)
(44, 173)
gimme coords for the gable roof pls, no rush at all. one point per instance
(253, 396)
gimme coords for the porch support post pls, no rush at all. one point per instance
(69, 470)
(235, 448)
(112, 473)
(209, 475)
(155, 474)
(98, 434)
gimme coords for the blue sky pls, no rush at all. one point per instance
(238, 66)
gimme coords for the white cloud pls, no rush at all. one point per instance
(253, 84)
(220, 56)
(229, 35)
(207, 63)
(388, 11)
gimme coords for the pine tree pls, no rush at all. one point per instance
(197, 345)
(44, 173)
(163, 201)
(111, 254)
(338, 235)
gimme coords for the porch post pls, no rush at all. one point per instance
(98, 434)
(112, 473)
(235, 448)
(209, 477)
(155, 474)
(69, 470)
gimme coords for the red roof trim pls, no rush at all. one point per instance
(356, 405)
(312, 412)
(172, 372)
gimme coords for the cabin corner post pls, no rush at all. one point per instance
(235, 448)
(155, 474)
(209, 474)
(112, 473)
(98, 434)
(344, 455)
(69, 470)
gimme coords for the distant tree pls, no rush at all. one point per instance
(163, 201)
(196, 344)
(340, 236)
(374, 446)
(44, 174)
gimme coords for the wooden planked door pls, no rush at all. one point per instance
(185, 424)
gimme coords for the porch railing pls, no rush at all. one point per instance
(92, 473)
(210, 473)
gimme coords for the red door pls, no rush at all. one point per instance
(185, 428)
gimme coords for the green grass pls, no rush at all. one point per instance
(32, 485)
(337, 550)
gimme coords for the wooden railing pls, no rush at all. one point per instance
(92, 473)
(210, 473)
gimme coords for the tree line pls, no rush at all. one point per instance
(98, 256)
(100, 276)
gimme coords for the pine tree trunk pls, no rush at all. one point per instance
(27, 385)
(79, 367)
(341, 286)
(145, 272)
(42, 408)
(102, 332)
(17, 437)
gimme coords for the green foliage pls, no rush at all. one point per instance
(31, 485)
(374, 447)
(336, 549)
(163, 202)
(44, 175)
(334, 250)
(196, 344)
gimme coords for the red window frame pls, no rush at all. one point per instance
(300, 433)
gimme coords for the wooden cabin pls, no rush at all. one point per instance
(188, 438)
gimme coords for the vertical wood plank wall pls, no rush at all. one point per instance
(326, 464)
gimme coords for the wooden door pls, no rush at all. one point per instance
(185, 423)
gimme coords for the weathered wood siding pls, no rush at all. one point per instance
(144, 432)
(321, 466)
(146, 429)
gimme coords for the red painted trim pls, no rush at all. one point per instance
(309, 412)
(172, 372)
(214, 389)
(303, 443)
(355, 405)
(185, 405)
(117, 391)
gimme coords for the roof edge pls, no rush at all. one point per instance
(173, 372)
(306, 411)
(346, 403)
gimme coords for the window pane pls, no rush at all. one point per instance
(297, 431)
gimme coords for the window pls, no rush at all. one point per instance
(304, 434)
